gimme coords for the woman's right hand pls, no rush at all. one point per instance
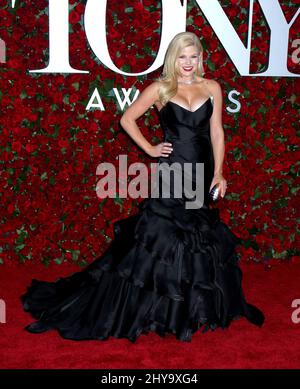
(163, 149)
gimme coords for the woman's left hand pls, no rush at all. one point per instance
(219, 179)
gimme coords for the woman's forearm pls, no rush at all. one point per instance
(134, 132)
(218, 145)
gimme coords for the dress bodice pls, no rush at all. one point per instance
(189, 133)
(179, 123)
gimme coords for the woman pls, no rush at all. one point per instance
(169, 269)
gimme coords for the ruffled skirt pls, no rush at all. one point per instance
(168, 270)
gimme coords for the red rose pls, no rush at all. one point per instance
(74, 17)
(30, 147)
(17, 146)
(63, 143)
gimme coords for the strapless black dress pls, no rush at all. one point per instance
(168, 269)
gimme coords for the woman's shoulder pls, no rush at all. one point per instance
(212, 86)
(157, 83)
(209, 82)
(154, 86)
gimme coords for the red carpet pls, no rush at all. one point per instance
(276, 345)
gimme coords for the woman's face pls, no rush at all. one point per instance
(188, 60)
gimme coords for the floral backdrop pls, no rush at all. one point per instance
(51, 145)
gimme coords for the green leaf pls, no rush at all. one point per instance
(54, 107)
(19, 247)
(63, 217)
(52, 180)
(190, 20)
(76, 85)
(23, 94)
(253, 231)
(257, 193)
(246, 93)
(262, 109)
(211, 65)
(126, 68)
(75, 254)
(66, 99)
(44, 176)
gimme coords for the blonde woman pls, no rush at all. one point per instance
(170, 268)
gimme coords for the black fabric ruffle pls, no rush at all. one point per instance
(168, 270)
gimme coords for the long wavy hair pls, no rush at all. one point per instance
(168, 79)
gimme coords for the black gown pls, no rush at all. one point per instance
(168, 269)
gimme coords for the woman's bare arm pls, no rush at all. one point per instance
(217, 136)
(128, 121)
(216, 128)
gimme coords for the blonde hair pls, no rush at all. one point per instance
(168, 79)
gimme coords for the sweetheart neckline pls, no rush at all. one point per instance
(173, 102)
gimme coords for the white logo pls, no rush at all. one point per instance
(95, 29)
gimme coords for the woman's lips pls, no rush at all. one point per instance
(188, 68)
